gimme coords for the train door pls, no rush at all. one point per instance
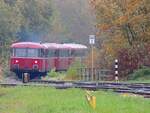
(71, 57)
(43, 52)
(56, 59)
(51, 59)
(63, 59)
(45, 56)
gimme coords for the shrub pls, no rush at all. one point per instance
(133, 58)
(72, 72)
(143, 73)
(52, 73)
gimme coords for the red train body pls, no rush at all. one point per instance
(37, 59)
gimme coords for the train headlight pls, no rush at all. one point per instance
(16, 61)
(35, 61)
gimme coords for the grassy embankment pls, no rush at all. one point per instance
(49, 100)
(140, 75)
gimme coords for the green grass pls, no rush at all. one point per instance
(49, 100)
(142, 74)
(137, 81)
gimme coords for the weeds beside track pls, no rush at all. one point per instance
(120, 87)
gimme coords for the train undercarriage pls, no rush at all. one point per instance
(26, 76)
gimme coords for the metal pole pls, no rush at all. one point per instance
(92, 42)
(92, 63)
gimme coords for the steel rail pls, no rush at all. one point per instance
(134, 88)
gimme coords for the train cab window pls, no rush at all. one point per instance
(27, 52)
(32, 52)
(20, 52)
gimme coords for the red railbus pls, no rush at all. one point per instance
(58, 56)
(28, 57)
(36, 59)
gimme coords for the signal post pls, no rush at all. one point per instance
(116, 70)
(92, 42)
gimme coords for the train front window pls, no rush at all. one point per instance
(20, 52)
(32, 52)
(26, 52)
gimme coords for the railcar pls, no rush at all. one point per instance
(77, 50)
(36, 59)
(28, 57)
(58, 56)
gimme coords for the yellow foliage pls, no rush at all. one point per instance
(120, 23)
(121, 20)
(132, 6)
(103, 26)
(136, 19)
(112, 46)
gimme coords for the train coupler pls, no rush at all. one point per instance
(25, 77)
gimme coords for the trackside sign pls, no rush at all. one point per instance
(91, 39)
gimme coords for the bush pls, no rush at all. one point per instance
(53, 73)
(5, 70)
(133, 58)
(72, 73)
(56, 75)
(140, 74)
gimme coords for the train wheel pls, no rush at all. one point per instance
(25, 77)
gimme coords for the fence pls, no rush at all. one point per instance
(85, 74)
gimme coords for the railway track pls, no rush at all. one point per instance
(133, 88)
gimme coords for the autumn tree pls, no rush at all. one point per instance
(37, 16)
(130, 17)
(121, 24)
(10, 22)
(22, 20)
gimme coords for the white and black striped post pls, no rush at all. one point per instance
(116, 70)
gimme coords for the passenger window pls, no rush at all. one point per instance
(46, 53)
(72, 53)
(52, 53)
(43, 53)
(63, 53)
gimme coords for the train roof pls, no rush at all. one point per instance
(75, 46)
(56, 46)
(48, 45)
(27, 45)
